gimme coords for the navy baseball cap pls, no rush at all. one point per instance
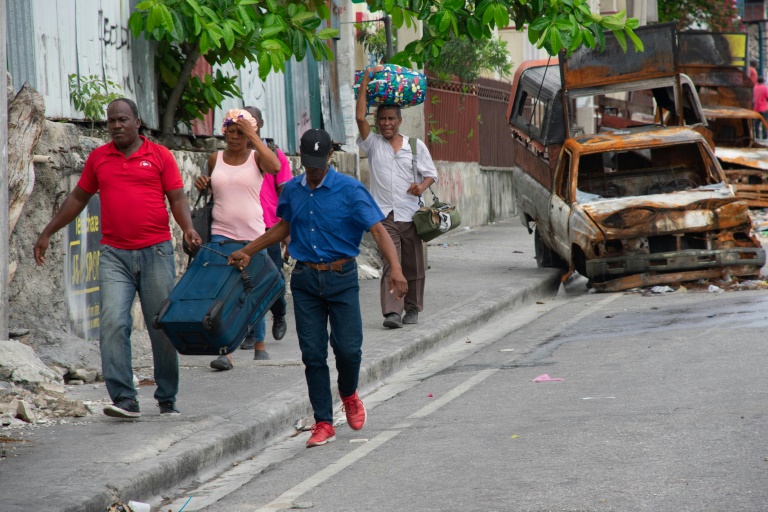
(315, 146)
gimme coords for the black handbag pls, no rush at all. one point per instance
(202, 216)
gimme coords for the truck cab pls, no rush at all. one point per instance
(629, 197)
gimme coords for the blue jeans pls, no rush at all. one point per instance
(320, 296)
(257, 328)
(279, 308)
(122, 273)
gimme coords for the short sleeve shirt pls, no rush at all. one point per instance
(760, 97)
(133, 208)
(327, 223)
(392, 174)
(268, 195)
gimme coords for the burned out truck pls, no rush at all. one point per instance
(717, 64)
(642, 204)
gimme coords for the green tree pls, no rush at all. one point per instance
(272, 31)
(269, 32)
(554, 25)
(718, 16)
(467, 59)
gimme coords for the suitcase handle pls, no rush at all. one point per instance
(212, 319)
(247, 285)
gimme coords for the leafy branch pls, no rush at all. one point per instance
(91, 95)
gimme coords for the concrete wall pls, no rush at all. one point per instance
(483, 195)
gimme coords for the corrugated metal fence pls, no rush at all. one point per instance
(451, 121)
(467, 122)
(495, 143)
(48, 40)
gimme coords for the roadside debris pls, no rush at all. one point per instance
(304, 424)
(546, 378)
(137, 506)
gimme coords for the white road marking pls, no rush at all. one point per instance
(286, 499)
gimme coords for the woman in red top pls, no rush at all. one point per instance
(760, 105)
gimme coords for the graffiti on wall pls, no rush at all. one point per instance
(304, 124)
(113, 35)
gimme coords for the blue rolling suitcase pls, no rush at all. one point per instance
(210, 308)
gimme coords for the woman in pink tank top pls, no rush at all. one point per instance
(237, 212)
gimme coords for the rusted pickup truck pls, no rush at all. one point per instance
(717, 65)
(641, 205)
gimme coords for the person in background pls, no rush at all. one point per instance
(396, 191)
(753, 71)
(326, 213)
(236, 176)
(760, 101)
(270, 192)
(134, 177)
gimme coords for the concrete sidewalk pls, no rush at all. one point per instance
(88, 463)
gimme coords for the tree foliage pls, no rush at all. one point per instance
(553, 25)
(268, 32)
(466, 59)
(717, 16)
(91, 94)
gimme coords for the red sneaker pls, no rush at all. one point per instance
(322, 433)
(355, 410)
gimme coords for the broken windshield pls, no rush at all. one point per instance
(644, 171)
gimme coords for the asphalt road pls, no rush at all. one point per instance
(662, 407)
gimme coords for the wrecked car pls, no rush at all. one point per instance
(717, 65)
(639, 205)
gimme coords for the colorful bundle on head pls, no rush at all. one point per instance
(395, 85)
(237, 113)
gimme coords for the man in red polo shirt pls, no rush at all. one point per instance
(133, 177)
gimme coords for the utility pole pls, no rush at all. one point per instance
(388, 34)
(4, 235)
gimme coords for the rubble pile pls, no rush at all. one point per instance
(30, 391)
(20, 406)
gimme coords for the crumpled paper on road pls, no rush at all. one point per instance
(546, 378)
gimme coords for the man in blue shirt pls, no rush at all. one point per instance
(326, 213)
